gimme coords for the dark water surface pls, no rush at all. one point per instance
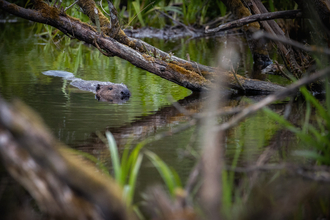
(75, 117)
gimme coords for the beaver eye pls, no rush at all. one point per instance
(110, 88)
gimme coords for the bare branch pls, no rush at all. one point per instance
(257, 17)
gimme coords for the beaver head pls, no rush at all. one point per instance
(114, 93)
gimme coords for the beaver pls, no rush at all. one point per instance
(104, 91)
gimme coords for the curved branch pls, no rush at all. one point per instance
(257, 17)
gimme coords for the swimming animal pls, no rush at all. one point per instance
(104, 91)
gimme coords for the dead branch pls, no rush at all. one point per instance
(70, 6)
(290, 14)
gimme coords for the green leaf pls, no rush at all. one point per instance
(164, 171)
(136, 5)
(280, 119)
(114, 157)
(323, 113)
(132, 179)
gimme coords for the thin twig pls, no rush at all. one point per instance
(54, 5)
(199, 71)
(103, 9)
(256, 17)
(71, 5)
(238, 82)
(281, 71)
(138, 14)
(104, 53)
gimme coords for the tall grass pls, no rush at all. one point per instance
(169, 175)
(314, 135)
(126, 171)
(142, 13)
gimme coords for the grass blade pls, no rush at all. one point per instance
(163, 170)
(114, 156)
(132, 179)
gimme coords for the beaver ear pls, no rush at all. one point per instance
(98, 87)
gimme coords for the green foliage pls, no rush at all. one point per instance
(92, 159)
(194, 11)
(222, 7)
(169, 175)
(314, 135)
(140, 13)
(126, 171)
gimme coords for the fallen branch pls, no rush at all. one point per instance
(257, 17)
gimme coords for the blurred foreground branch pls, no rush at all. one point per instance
(56, 180)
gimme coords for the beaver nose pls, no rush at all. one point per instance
(125, 93)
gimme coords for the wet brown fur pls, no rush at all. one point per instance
(112, 92)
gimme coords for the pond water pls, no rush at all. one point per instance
(76, 118)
